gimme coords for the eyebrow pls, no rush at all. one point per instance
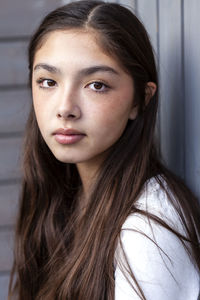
(47, 67)
(84, 72)
(95, 69)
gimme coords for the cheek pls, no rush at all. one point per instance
(117, 111)
(110, 120)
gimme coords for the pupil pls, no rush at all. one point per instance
(50, 83)
(97, 85)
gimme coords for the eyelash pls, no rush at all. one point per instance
(106, 87)
(41, 81)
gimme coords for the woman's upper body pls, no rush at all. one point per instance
(163, 273)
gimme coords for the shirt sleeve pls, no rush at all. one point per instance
(163, 272)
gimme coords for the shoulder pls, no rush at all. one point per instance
(155, 200)
(153, 254)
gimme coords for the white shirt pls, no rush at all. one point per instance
(160, 277)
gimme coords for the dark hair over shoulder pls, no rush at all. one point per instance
(60, 252)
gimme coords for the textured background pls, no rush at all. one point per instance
(173, 26)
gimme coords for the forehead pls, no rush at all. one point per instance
(74, 47)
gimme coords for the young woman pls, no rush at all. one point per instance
(100, 216)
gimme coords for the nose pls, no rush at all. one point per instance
(72, 113)
(68, 108)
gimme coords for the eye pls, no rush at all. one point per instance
(46, 83)
(98, 86)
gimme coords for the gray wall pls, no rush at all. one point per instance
(174, 29)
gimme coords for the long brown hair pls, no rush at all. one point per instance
(60, 250)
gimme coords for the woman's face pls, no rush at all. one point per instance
(82, 97)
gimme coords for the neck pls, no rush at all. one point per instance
(87, 175)
(88, 172)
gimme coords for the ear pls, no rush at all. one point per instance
(133, 112)
(149, 91)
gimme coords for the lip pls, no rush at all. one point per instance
(67, 131)
(68, 136)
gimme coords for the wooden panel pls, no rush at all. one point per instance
(172, 98)
(192, 99)
(4, 282)
(6, 250)
(10, 149)
(21, 17)
(13, 63)
(147, 11)
(14, 109)
(8, 204)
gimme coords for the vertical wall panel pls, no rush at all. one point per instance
(10, 150)
(13, 63)
(130, 4)
(147, 12)
(9, 194)
(192, 94)
(6, 252)
(171, 92)
(14, 108)
(4, 281)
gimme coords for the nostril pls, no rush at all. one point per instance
(73, 113)
(71, 116)
(66, 116)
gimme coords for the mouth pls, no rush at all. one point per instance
(68, 136)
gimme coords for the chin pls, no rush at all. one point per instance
(66, 159)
